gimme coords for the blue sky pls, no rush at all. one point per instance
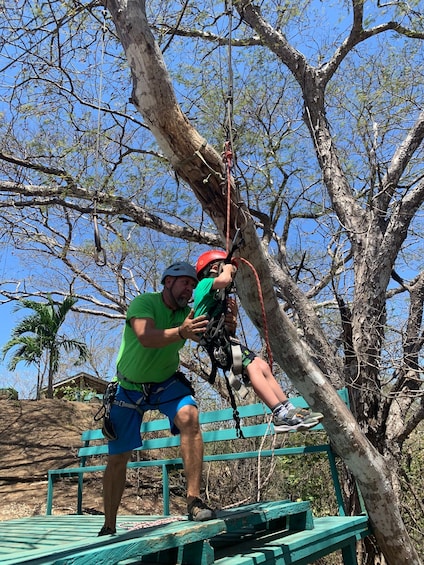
(7, 316)
(24, 378)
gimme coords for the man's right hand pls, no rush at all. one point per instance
(192, 327)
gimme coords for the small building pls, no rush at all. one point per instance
(86, 387)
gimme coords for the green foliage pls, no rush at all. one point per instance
(37, 335)
(9, 394)
(74, 393)
(304, 477)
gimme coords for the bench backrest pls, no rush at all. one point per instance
(213, 428)
(218, 428)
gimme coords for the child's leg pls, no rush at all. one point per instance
(285, 416)
(264, 383)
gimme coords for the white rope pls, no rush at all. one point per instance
(130, 526)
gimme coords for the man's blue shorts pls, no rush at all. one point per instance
(168, 397)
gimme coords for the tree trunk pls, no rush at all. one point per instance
(50, 377)
(202, 168)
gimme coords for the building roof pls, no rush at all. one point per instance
(81, 381)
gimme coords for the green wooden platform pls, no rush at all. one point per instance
(280, 532)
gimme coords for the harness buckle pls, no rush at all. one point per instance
(221, 356)
(122, 404)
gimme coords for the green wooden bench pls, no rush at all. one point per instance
(217, 428)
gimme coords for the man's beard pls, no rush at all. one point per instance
(181, 302)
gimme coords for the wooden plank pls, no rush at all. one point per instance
(252, 534)
(190, 539)
(42, 532)
(212, 436)
(181, 556)
(73, 539)
(214, 416)
(328, 535)
(250, 520)
(262, 515)
(211, 417)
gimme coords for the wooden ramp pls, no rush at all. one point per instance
(278, 532)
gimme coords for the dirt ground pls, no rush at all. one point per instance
(36, 436)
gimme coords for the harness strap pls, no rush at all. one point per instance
(104, 411)
(237, 385)
(236, 415)
(124, 404)
(237, 359)
(122, 377)
(146, 389)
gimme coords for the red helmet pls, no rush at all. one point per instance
(209, 257)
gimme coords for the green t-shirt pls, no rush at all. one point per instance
(205, 298)
(149, 364)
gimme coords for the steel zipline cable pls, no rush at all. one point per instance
(100, 253)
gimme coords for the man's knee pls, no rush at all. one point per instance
(118, 460)
(187, 419)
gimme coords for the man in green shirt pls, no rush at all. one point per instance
(156, 327)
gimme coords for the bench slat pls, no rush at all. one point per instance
(328, 535)
(223, 434)
(277, 452)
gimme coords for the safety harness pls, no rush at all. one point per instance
(145, 389)
(223, 349)
(104, 411)
(225, 353)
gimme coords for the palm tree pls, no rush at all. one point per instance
(37, 336)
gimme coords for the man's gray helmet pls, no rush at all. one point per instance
(182, 269)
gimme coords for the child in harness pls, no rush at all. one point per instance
(215, 275)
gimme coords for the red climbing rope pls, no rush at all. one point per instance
(261, 301)
(229, 160)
